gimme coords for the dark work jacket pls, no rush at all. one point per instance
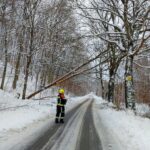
(61, 101)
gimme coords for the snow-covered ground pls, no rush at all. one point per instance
(125, 130)
(22, 121)
(27, 118)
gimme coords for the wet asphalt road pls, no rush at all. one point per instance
(59, 136)
(89, 139)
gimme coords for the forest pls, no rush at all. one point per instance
(82, 45)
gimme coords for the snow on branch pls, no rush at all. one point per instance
(146, 67)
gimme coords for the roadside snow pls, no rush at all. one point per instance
(16, 114)
(26, 118)
(121, 130)
(143, 110)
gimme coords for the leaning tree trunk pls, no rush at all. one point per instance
(129, 88)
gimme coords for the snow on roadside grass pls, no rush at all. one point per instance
(143, 110)
(131, 131)
(24, 120)
(17, 113)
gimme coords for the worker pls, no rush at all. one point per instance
(60, 108)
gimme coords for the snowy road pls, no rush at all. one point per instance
(90, 124)
(78, 132)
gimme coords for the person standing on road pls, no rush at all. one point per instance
(60, 108)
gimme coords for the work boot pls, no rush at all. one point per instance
(56, 120)
(61, 120)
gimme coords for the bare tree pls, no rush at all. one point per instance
(30, 8)
(124, 26)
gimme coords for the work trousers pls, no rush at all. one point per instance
(60, 114)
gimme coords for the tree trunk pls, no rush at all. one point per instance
(42, 79)
(36, 82)
(17, 67)
(26, 77)
(125, 84)
(111, 86)
(102, 84)
(29, 59)
(5, 65)
(129, 88)
(4, 39)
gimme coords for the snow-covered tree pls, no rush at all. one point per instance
(124, 27)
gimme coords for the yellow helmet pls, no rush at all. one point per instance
(61, 91)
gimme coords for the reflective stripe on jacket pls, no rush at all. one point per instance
(61, 101)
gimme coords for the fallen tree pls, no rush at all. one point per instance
(76, 71)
